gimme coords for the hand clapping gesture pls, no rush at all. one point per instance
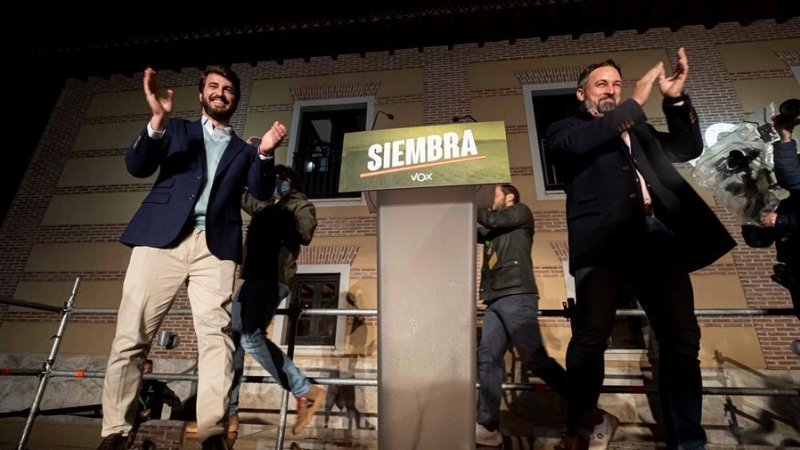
(672, 86)
(271, 139)
(160, 105)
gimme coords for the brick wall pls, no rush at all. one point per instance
(446, 93)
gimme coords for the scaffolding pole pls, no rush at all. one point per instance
(48, 366)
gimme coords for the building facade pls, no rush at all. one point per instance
(76, 198)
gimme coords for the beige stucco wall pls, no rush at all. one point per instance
(739, 343)
(35, 337)
(758, 94)
(393, 83)
(78, 257)
(78, 209)
(99, 171)
(756, 56)
(130, 103)
(91, 294)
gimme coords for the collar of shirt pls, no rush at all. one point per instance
(216, 133)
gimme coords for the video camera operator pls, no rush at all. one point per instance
(786, 219)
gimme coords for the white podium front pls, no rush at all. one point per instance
(426, 318)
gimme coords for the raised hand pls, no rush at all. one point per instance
(160, 105)
(785, 125)
(272, 138)
(672, 86)
(645, 84)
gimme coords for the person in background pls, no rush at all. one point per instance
(153, 394)
(508, 288)
(277, 231)
(786, 219)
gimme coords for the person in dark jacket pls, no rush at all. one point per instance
(786, 219)
(634, 222)
(509, 290)
(277, 231)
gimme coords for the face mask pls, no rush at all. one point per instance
(282, 188)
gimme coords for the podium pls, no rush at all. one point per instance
(425, 198)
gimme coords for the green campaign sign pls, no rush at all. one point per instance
(439, 155)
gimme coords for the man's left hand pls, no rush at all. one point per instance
(272, 139)
(672, 86)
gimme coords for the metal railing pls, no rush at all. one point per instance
(293, 312)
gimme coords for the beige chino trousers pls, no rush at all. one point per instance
(152, 280)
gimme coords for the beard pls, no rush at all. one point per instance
(499, 206)
(603, 107)
(219, 115)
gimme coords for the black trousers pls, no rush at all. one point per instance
(664, 291)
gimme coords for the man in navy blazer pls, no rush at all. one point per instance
(187, 230)
(635, 225)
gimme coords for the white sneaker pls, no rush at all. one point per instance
(486, 437)
(603, 432)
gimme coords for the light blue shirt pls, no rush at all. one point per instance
(216, 141)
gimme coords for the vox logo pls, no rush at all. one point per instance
(419, 176)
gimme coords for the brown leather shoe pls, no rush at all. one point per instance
(573, 442)
(307, 406)
(216, 442)
(116, 441)
(233, 430)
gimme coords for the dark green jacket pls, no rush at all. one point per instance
(275, 234)
(508, 233)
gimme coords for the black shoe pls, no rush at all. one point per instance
(114, 441)
(216, 442)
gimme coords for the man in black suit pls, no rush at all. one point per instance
(187, 230)
(634, 223)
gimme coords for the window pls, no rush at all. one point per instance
(319, 139)
(317, 286)
(545, 104)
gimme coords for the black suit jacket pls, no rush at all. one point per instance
(605, 209)
(161, 220)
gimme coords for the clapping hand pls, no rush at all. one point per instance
(160, 105)
(672, 86)
(271, 139)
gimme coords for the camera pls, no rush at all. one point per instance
(788, 112)
(737, 161)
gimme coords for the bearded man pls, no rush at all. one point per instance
(635, 225)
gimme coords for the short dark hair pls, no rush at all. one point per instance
(290, 175)
(510, 189)
(148, 361)
(583, 79)
(227, 73)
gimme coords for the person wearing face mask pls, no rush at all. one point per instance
(635, 225)
(277, 230)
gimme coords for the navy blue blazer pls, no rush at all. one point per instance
(605, 209)
(180, 157)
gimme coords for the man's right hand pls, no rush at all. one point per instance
(784, 126)
(160, 105)
(645, 84)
